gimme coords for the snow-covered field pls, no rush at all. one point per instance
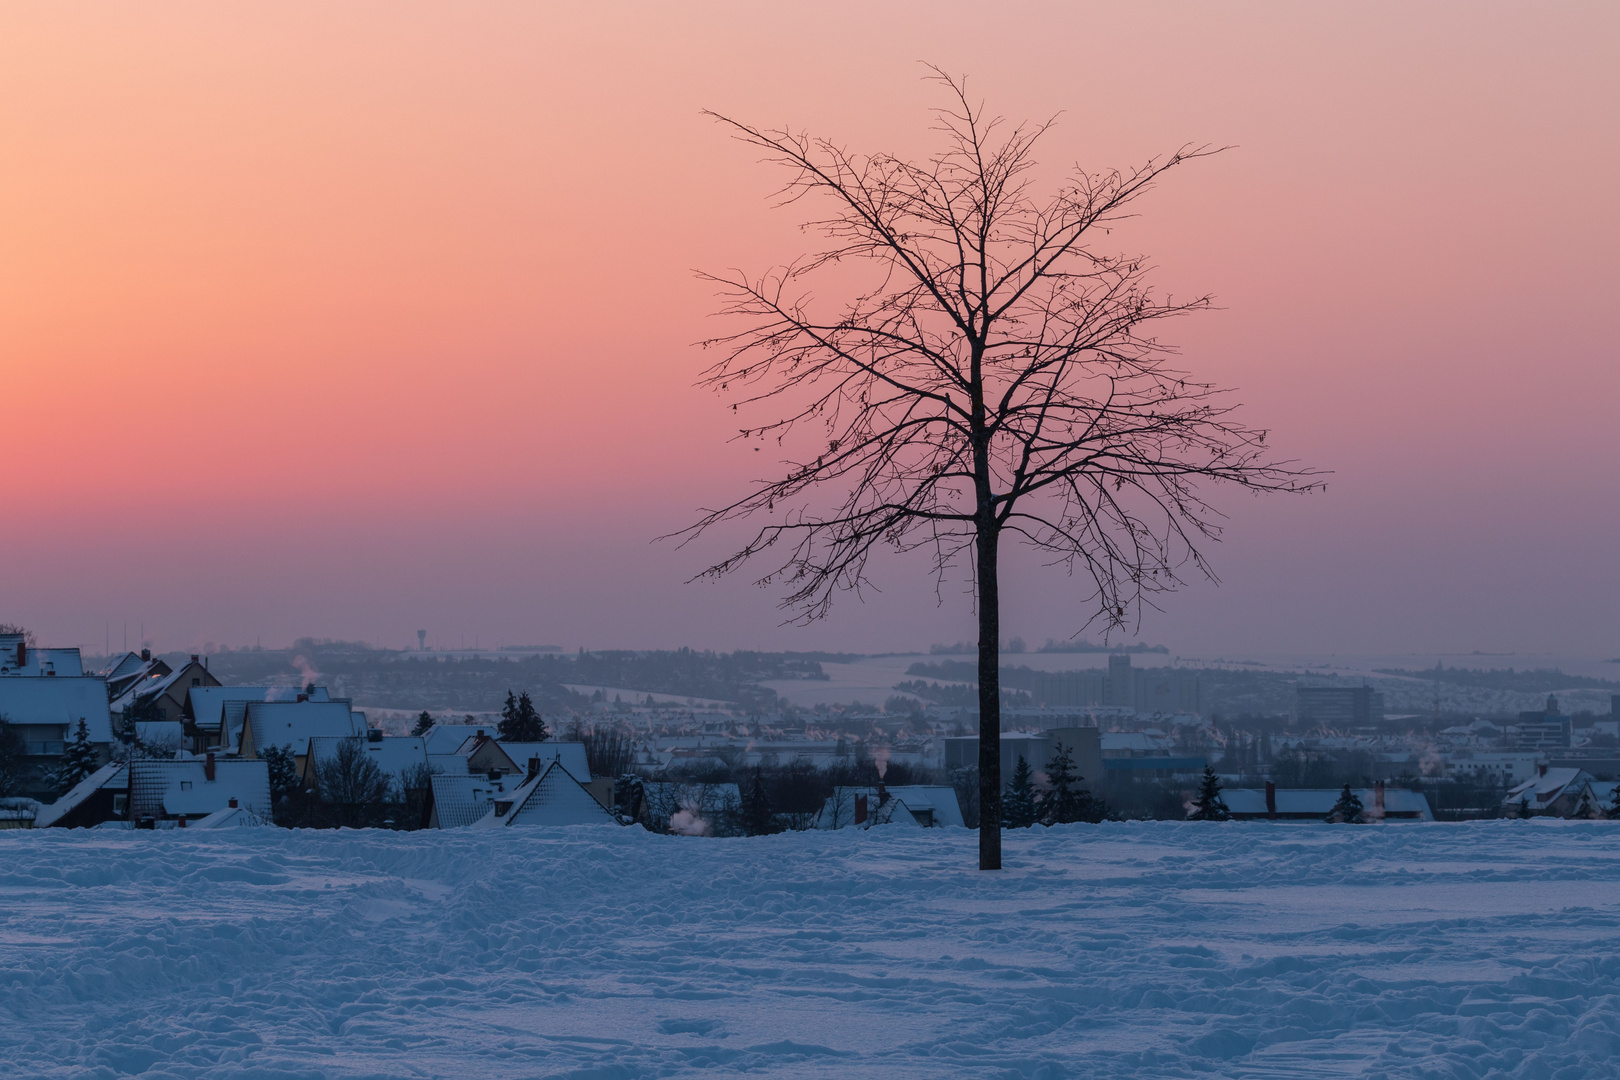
(1121, 950)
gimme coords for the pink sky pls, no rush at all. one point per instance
(351, 320)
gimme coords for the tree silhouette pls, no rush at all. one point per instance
(1066, 800)
(1019, 810)
(520, 720)
(1347, 810)
(424, 724)
(1210, 806)
(992, 372)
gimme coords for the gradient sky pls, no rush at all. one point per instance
(346, 320)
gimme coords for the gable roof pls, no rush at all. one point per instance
(449, 738)
(392, 754)
(158, 787)
(205, 705)
(113, 774)
(1543, 789)
(58, 699)
(907, 805)
(570, 755)
(280, 723)
(459, 799)
(552, 798)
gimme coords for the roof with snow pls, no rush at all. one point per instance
(459, 799)
(570, 755)
(295, 723)
(552, 798)
(394, 755)
(449, 738)
(1545, 788)
(58, 699)
(159, 788)
(113, 774)
(206, 704)
(912, 804)
(232, 817)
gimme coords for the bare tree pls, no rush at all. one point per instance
(994, 373)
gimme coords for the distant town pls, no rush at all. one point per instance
(335, 734)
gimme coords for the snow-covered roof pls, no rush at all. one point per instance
(552, 798)
(158, 787)
(169, 734)
(294, 723)
(449, 738)
(127, 664)
(459, 799)
(207, 703)
(570, 755)
(1544, 788)
(113, 774)
(909, 805)
(58, 699)
(1319, 802)
(231, 817)
(392, 754)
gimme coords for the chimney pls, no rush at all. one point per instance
(1378, 798)
(182, 823)
(22, 653)
(1541, 770)
(233, 802)
(1271, 799)
(303, 697)
(50, 667)
(146, 654)
(208, 766)
(883, 792)
(534, 769)
(860, 809)
(479, 734)
(193, 658)
(494, 775)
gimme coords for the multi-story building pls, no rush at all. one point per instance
(1338, 706)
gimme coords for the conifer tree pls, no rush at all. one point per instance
(1018, 810)
(1347, 810)
(423, 724)
(283, 766)
(1066, 799)
(757, 819)
(521, 721)
(12, 763)
(1210, 806)
(78, 759)
(1614, 803)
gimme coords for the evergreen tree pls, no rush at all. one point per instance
(1018, 810)
(757, 819)
(1066, 799)
(1524, 808)
(1210, 806)
(1347, 810)
(521, 721)
(78, 759)
(1614, 803)
(423, 724)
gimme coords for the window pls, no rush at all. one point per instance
(196, 682)
(120, 805)
(185, 785)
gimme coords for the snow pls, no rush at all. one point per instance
(1146, 950)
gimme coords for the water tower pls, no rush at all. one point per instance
(421, 640)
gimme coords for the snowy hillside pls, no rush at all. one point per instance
(1123, 950)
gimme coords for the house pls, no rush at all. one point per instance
(189, 789)
(448, 738)
(101, 796)
(862, 807)
(397, 757)
(124, 671)
(1551, 792)
(457, 799)
(232, 817)
(293, 724)
(44, 711)
(548, 796)
(18, 813)
(1379, 803)
(1085, 745)
(484, 754)
(213, 714)
(17, 657)
(161, 694)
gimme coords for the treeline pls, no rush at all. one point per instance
(1533, 681)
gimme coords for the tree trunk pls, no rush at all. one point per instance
(989, 701)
